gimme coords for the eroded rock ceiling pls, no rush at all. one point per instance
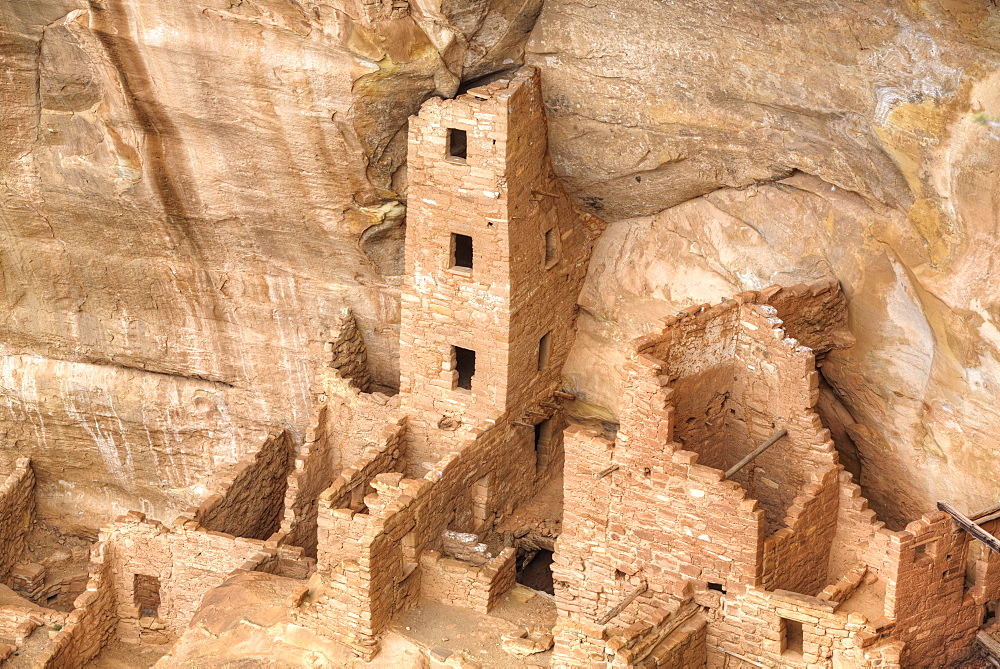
(190, 193)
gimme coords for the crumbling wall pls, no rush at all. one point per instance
(459, 583)
(346, 352)
(797, 556)
(934, 616)
(671, 637)
(814, 315)
(17, 512)
(252, 497)
(345, 422)
(91, 625)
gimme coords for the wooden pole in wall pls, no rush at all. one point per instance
(621, 606)
(970, 526)
(755, 452)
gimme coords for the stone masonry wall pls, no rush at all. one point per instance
(186, 559)
(934, 616)
(17, 512)
(346, 352)
(91, 624)
(346, 421)
(504, 196)
(251, 503)
(459, 583)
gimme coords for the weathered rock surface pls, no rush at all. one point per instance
(191, 192)
(182, 191)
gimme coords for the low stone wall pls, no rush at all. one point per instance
(181, 563)
(673, 637)
(343, 426)
(91, 624)
(252, 493)
(462, 584)
(17, 512)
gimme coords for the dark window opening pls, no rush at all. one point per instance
(544, 347)
(551, 247)
(458, 144)
(927, 549)
(791, 633)
(146, 594)
(465, 365)
(461, 251)
(717, 587)
(536, 571)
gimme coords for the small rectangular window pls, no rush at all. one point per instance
(146, 594)
(551, 247)
(458, 144)
(465, 364)
(927, 549)
(791, 636)
(544, 347)
(461, 251)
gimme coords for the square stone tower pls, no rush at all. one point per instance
(495, 254)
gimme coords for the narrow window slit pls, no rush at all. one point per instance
(544, 348)
(551, 247)
(465, 365)
(461, 251)
(458, 144)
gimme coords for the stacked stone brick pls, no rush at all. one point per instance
(92, 623)
(17, 512)
(346, 352)
(465, 457)
(781, 564)
(251, 503)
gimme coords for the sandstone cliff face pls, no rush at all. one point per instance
(184, 186)
(191, 192)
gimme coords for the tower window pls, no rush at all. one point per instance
(458, 144)
(551, 247)
(461, 251)
(465, 365)
(544, 347)
(791, 636)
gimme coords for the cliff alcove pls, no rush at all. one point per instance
(276, 274)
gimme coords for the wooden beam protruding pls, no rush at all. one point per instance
(755, 452)
(621, 606)
(971, 527)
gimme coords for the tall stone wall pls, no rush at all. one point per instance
(17, 512)
(252, 497)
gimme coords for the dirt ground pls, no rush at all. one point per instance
(477, 636)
